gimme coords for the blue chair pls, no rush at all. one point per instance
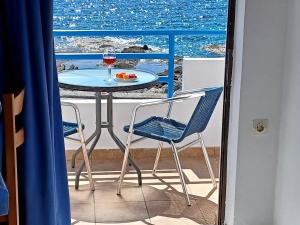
(165, 129)
(3, 189)
(71, 128)
(3, 198)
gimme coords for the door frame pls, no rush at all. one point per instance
(229, 60)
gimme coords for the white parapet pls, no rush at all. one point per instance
(206, 72)
(197, 72)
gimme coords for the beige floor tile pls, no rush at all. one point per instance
(208, 209)
(142, 222)
(83, 180)
(160, 220)
(83, 212)
(192, 222)
(163, 193)
(124, 212)
(165, 185)
(199, 168)
(82, 195)
(107, 192)
(173, 211)
(214, 197)
(75, 222)
(204, 190)
(106, 165)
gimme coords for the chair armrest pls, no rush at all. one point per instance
(184, 95)
(76, 111)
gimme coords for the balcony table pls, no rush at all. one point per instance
(93, 80)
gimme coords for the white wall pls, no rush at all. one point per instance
(287, 195)
(257, 77)
(196, 72)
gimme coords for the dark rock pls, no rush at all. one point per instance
(178, 70)
(60, 66)
(178, 60)
(106, 46)
(125, 64)
(73, 67)
(177, 85)
(164, 73)
(214, 48)
(177, 73)
(136, 49)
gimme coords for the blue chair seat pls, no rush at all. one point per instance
(3, 198)
(70, 128)
(159, 128)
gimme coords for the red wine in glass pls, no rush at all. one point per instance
(109, 58)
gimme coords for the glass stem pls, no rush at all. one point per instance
(109, 73)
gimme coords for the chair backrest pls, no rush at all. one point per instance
(203, 111)
(12, 107)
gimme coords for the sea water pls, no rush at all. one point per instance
(143, 15)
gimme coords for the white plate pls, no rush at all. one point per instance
(126, 80)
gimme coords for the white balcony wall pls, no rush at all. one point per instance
(196, 73)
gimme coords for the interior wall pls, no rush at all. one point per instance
(287, 195)
(257, 77)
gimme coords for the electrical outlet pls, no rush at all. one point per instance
(260, 126)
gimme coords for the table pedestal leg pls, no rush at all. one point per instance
(116, 139)
(97, 134)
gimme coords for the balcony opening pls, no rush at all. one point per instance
(183, 43)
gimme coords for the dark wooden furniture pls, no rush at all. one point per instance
(12, 107)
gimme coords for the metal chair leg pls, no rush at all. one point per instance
(125, 161)
(86, 160)
(157, 157)
(179, 170)
(208, 164)
(73, 160)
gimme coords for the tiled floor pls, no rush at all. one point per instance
(159, 201)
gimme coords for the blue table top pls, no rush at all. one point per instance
(95, 80)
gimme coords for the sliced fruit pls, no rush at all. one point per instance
(132, 76)
(120, 75)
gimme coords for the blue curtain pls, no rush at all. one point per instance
(27, 59)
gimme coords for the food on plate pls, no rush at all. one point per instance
(126, 76)
(132, 76)
(120, 75)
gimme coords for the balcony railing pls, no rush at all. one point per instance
(169, 79)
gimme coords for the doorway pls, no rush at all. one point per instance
(111, 170)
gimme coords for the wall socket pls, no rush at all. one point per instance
(260, 126)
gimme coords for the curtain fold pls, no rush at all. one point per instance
(27, 59)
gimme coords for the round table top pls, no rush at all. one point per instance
(95, 80)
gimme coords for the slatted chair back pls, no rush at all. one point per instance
(12, 107)
(203, 111)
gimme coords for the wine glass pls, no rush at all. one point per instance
(109, 59)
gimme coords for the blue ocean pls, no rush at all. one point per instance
(148, 15)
